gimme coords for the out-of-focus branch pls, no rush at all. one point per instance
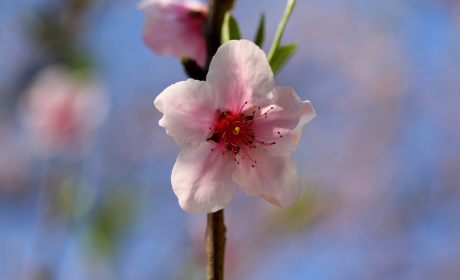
(58, 32)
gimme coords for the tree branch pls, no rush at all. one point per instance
(217, 10)
(215, 245)
(215, 231)
(192, 69)
(213, 27)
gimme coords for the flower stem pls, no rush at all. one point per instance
(215, 245)
(215, 231)
(213, 27)
(217, 10)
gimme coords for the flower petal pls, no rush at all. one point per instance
(202, 180)
(240, 72)
(295, 136)
(288, 113)
(273, 177)
(174, 27)
(189, 110)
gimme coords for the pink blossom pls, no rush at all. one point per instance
(240, 128)
(62, 110)
(174, 27)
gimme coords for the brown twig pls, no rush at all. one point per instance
(192, 69)
(213, 26)
(215, 245)
(217, 10)
(215, 231)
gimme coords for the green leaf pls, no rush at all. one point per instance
(230, 29)
(280, 30)
(282, 54)
(260, 36)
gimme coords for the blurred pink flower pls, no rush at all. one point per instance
(62, 110)
(174, 27)
(241, 131)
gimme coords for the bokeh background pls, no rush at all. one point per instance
(380, 164)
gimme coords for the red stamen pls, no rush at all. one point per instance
(235, 134)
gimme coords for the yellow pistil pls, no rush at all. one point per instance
(237, 131)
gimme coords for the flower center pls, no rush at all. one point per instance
(234, 133)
